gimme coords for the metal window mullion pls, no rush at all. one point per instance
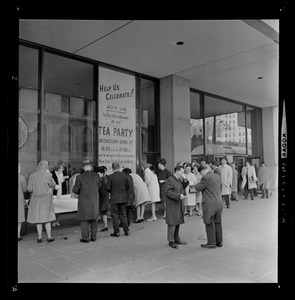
(246, 129)
(202, 108)
(96, 99)
(41, 101)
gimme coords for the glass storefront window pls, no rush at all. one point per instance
(254, 131)
(69, 126)
(148, 116)
(28, 110)
(249, 130)
(196, 121)
(224, 127)
(149, 135)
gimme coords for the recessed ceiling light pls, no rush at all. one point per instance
(260, 77)
(179, 43)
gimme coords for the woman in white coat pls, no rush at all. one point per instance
(249, 180)
(226, 180)
(190, 201)
(142, 196)
(151, 180)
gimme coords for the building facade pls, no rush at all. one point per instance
(72, 108)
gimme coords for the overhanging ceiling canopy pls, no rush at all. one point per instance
(223, 57)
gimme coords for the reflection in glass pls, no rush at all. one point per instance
(249, 129)
(28, 110)
(148, 116)
(68, 111)
(197, 142)
(224, 127)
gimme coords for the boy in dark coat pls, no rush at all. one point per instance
(174, 214)
(88, 186)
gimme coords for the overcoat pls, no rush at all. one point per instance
(199, 194)
(151, 180)
(141, 191)
(22, 187)
(118, 186)
(104, 197)
(174, 211)
(63, 184)
(130, 192)
(41, 208)
(163, 175)
(88, 186)
(251, 173)
(234, 186)
(226, 179)
(212, 200)
(190, 200)
(263, 176)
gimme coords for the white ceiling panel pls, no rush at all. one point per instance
(66, 35)
(224, 57)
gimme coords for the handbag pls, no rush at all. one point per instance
(192, 189)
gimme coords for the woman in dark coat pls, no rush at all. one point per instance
(174, 213)
(104, 201)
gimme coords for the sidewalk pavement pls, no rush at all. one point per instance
(248, 255)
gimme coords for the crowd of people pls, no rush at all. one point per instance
(198, 187)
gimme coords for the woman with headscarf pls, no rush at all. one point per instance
(41, 209)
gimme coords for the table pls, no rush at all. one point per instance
(65, 204)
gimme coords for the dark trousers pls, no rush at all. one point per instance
(129, 212)
(119, 215)
(214, 229)
(226, 199)
(264, 191)
(246, 191)
(87, 226)
(173, 233)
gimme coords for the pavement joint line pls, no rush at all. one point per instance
(265, 275)
(185, 271)
(76, 263)
(49, 270)
(254, 237)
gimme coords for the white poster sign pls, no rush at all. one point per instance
(117, 123)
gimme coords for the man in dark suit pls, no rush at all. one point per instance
(118, 186)
(88, 186)
(212, 207)
(174, 213)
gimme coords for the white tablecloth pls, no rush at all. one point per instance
(65, 204)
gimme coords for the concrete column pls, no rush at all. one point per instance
(270, 142)
(175, 120)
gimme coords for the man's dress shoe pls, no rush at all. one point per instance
(180, 243)
(172, 245)
(208, 246)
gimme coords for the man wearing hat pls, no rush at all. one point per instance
(88, 186)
